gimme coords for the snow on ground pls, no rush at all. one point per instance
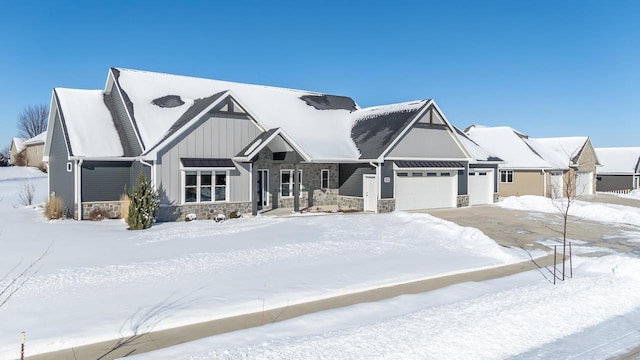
(610, 213)
(521, 316)
(633, 194)
(99, 279)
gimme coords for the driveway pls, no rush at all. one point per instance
(527, 229)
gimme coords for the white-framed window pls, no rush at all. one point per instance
(506, 176)
(69, 167)
(286, 182)
(205, 186)
(324, 178)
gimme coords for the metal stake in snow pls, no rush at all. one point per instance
(22, 345)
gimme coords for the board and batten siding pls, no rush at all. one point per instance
(61, 181)
(422, 143)
(213, 137)
(350, 178)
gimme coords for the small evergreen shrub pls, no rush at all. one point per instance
(143, 206)
(54, 208)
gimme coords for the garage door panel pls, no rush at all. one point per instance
(584, 183)
(425, 192)
(481, 187)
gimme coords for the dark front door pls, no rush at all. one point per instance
(262, 189)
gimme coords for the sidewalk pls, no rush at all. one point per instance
(160, 339)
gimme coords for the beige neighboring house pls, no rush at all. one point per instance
(34, 149)
(539, 166)
(574, 163)
(16, 148)
(31, 149)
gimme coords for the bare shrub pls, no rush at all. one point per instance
(26, 193)
(124, 204)
(20, 159)
(54, 209)
(99, 214)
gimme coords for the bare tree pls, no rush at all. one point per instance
(5, 151)
(12, 281)
(33, 120)
(26, 193)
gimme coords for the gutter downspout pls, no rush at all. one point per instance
(79, 187)
(151, 170)
(544, 184)
(378, 186)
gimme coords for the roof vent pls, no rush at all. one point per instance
(168, 101)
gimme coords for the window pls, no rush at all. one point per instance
(286, 182)
(431, 174)
(403, 174)
(69, 167)
(205, 186)
(416, 174)
(324, 179)
(506, 176)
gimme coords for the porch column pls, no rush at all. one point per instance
(254, 189)
(296, 187)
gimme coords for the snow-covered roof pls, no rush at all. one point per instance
(89, 124)
(18, 143)
(319, 123)
(618, 160)
(509, 145)
(375, 128)
(38, 139)
(560, 152)
(479, 154)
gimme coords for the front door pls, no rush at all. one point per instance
(370, 193)
(263, 189)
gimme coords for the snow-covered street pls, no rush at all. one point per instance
(99, 279)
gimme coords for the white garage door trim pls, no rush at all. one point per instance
(584, 183)
(425, 189)
(481, 186)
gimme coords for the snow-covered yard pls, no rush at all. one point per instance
(99, 279)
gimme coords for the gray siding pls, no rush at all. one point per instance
(463, 180)
(350, 178)
(124, 123)
(614, 182)
(105, 181)
(61, 182)
(211, 137)
(136, 169)
(427, 143)
(386, 188)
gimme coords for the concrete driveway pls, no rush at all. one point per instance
(526, 229)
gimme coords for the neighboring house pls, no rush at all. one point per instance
(539, 166)
(15, 149)
(213, 146)
(483, 172)
(34, 149)
(574, 163)
(620, 168)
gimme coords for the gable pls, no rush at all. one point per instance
(427, 143)
(432, 117)
(229, 105)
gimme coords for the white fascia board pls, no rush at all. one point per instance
(53, 105)
(404, 131)
(259, 148)
(294, 145)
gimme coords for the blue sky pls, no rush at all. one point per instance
(546, 68)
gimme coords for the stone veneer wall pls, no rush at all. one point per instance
(463, 200)
(202, 211)
(350, 202)
(114, 208)
(287, 202)
(386, 205)
(324, 197)
(496, 197)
